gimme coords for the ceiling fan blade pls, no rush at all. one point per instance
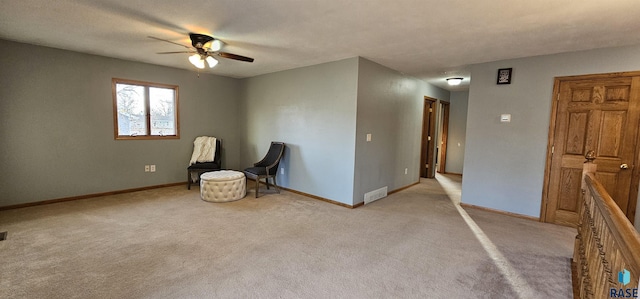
(234, 56)
(176, 52)
(164, 40)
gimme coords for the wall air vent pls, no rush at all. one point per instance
(375, 195)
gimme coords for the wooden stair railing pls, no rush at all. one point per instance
(606, 244)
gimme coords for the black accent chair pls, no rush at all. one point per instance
(202, 167)
(267, 167)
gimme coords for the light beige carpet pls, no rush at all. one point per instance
(167, 243)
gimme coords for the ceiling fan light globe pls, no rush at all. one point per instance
(194, 59)
(211, 61)
(216, 45)
(197, 61)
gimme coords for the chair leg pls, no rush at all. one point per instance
(188, 180)
(266, 180)
(257, 185)
(275, 184)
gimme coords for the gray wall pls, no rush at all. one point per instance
(57, 124)
(312, 110)
(390, 108)
(504, 163)
(457, 131)
(324, 112)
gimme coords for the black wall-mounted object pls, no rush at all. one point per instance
(504, 76)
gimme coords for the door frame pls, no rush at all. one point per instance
(445, 135)
(635, 175)
(428, 129)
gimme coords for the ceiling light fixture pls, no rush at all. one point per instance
(211, 61)
(216, 45)
(454, 81)
(198, 61)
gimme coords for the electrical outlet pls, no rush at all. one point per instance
(152, 168)
(406, 170)
(146, 168)
(281, 170)
(368, 137)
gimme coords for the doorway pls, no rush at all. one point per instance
(599, 113)
(429, 113)
(443, 133)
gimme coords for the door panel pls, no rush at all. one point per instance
(577, 132)
(569, 189)
(611, 133)
(428, 137)
(600, 114)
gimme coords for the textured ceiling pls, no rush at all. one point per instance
(428, 39)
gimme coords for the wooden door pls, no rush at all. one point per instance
(444, 137)
(599, 113)
(427, 170)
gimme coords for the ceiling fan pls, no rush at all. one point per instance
(203, 48)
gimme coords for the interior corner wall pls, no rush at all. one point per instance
(313, 110)
(504, 162)
(56, 137)
(457, 132)
(389, 107)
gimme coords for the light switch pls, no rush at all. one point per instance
(368, 137)
(505, 118)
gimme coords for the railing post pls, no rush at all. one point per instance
(588, 167)
(582, 283)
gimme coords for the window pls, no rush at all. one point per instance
(143, 110)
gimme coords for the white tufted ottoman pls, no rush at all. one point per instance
(222, 186)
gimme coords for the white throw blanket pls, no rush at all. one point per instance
(204, 149)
